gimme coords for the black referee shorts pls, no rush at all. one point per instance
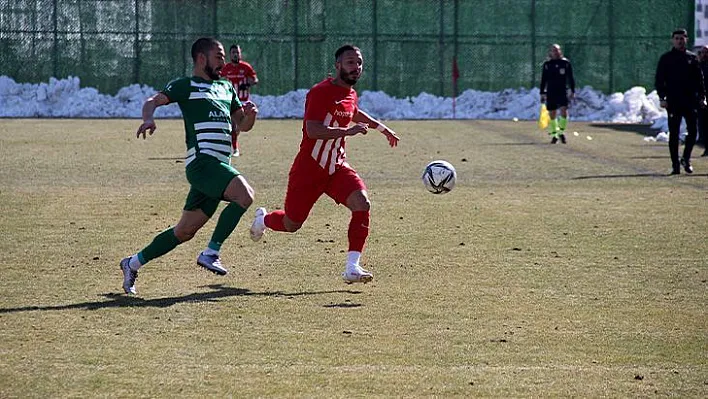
(555, 101)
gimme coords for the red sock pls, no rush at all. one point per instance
(358, 230)
(274, 220)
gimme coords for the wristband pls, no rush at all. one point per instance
(381, 127)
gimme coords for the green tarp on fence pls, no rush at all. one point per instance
(408, 45)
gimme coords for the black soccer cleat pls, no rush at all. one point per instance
(687, 165)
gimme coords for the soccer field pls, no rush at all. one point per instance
(575, 270)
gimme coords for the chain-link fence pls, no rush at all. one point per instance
(408, 45)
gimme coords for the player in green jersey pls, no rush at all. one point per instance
(212, 112)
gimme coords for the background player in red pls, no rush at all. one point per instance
(320, 166)
(242, 76)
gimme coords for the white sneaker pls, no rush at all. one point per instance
(129, 276)
(258, 227)
(356, 274)
(211, 263)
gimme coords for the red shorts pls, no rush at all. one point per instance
(308, 181)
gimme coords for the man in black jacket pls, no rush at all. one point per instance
(679, 83)
(703, 112)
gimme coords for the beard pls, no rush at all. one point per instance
(212, 72)
(348, 79)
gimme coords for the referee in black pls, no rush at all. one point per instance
(679, 83)
(557, 75)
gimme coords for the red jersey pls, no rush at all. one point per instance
(335, 106)
(238, 75)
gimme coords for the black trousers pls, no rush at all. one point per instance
(691, 117)
(703, 127)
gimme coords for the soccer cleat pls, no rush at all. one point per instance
(129, 276)
(258, 226)
(562, 137)
(357, 275)
(675, 170)
(554, 140)
(687, 165)
(211, 263)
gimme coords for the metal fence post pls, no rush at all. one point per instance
(136, 44)
(456, 17)
(375, 33)
(215, 21)
(534, 71)
(55, 44)
(295, 45)
(611, 34)
(441, 48)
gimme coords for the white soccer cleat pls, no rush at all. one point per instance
(258, 226)
(356, 274)
(129, 276)
(211, 263)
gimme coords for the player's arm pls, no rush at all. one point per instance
(544, 82)
(243, 117)
(252, 78)
(318, 130)
(364, 118)
(698, 79)
(660, 81)
(149, 107)
(571, 80)
(317, 103)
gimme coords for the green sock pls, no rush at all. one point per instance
(160, 245)
(562, 123)
(552, 127)
(228, 220)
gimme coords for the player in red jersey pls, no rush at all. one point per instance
(320, 167)
(242, 75)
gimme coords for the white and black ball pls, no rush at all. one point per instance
(439, 177)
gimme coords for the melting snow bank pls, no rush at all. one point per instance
(65, 98)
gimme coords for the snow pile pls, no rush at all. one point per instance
(65, 98)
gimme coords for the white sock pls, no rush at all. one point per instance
(210, 251)
(134, 262)
(353, 259)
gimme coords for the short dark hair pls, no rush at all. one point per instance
(233, 46)
(203, 46)
(346, 47)
(681, 31)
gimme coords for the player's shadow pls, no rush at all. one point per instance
(342, 305)
(218, 291)
(634, 175)
(623, 176)
(650, 157)
(514, 143)
(638, 128)
(176, 159)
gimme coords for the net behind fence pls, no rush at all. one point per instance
(408, 46)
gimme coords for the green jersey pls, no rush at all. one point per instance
(206, 109)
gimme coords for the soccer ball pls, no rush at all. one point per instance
(439, 177)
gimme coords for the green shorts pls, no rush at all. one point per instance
(208, 178)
